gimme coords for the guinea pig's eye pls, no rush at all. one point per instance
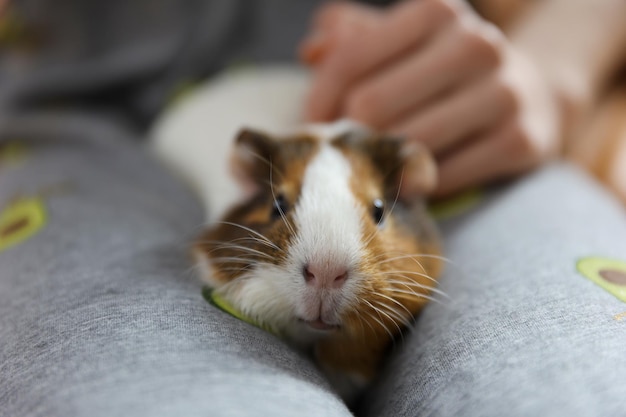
(378, 210)
(280, 206)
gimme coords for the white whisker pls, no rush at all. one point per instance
(280, 210)
(381, 324)
(227, 245)
(257, 240)
(410, 283)
(361, 320)
(232, 259)
(379, 294)
(396, 316)
(254, 232)
(420, 274)
(413, 294)
(379, 312)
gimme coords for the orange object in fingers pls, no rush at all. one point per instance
(313, 49)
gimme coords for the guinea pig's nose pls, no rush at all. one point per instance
(324, 277)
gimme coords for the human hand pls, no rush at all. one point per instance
(434, 72)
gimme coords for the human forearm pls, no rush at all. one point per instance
(577, 43)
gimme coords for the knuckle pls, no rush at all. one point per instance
(520, 146)
(362, 104)
(444, 10)
(508, 97)
(482, 46)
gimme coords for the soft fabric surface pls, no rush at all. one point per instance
(524, 332)
(100, 314)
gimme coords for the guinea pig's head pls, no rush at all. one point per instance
(334, 239)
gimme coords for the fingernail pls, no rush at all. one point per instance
(312, 50)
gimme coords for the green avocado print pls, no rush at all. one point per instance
(213, 298)
(12, 153)
(455, 205)
(610, 274)
(21, 220)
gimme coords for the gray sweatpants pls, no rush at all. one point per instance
(100, 314)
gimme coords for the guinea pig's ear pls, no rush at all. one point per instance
(420, 170)
(408, 166)
(253, 159)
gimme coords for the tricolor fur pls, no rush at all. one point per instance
(306, 255)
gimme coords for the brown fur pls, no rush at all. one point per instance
(386, 306)
(399, 278)
(285, 166)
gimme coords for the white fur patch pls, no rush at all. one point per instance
(263, 294)
(195, 137)
(327, 218)
(205, 268)
(329, 131)
(329, 235)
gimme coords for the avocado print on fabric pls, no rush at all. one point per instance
(20, 220)
(610, 274)
(214, 299)
(12, 153)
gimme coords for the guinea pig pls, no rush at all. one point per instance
(333, 249)
(316, 233)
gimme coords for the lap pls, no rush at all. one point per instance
(99, 311)
(523, 332)
(100, 315)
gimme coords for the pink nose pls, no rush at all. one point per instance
(325, 276)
